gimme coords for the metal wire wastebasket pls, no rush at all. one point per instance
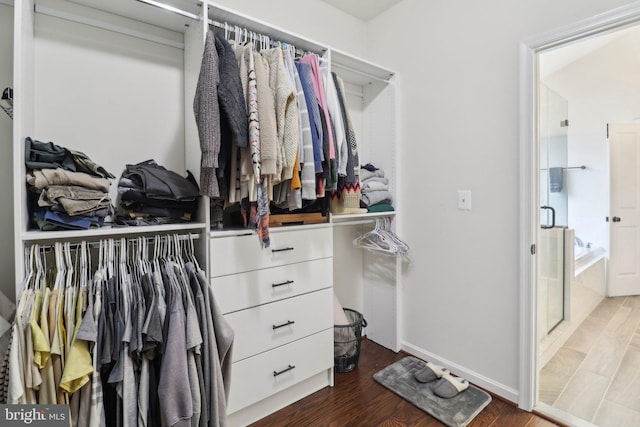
(346, 342)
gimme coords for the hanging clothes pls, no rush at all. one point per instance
(233, 113)
(207, 112)
(328, 144)
(137, 342)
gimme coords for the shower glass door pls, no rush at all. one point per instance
(553, 212)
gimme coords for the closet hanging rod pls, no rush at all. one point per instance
(116, 240)
(170, 8)
(184, 13)
(362, 73)
(571, 167)
(220, 25)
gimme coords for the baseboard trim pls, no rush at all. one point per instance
(479, 380)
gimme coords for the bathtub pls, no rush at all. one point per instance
(584, 257)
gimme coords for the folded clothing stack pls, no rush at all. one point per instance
(375, 189)
(151, 194)
(72, 191)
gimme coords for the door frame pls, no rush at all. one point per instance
(529, 163)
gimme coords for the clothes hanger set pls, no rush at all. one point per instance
(71, 266)
(381, 239)
(242, 36)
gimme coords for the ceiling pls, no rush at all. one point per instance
(363, 9)
(557, 59)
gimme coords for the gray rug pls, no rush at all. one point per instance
(455, 412)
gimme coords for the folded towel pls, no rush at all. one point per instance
(555, 180)
(381, 207)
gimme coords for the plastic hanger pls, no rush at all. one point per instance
(382, 239)
(68, 265)
(386, 230)
(37, 282)
(192, 253)
(28, 265)
(84, 283)
(59, 266)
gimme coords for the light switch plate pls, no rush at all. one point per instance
(464, 199)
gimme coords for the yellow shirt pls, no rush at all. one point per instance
(78, 367)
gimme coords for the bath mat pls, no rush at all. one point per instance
(455, 412)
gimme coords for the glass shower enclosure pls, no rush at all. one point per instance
(553, 209)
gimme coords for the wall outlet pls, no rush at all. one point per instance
(464, 200)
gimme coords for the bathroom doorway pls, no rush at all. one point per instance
(586, 359)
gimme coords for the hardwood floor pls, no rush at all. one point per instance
(357, 400)
(596, 374)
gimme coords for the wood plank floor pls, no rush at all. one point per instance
(357, 400)
(596, 374)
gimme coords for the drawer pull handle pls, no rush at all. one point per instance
(287, 323)
(286, 282)
(282, 249)
(287, 369)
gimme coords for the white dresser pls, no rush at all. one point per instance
(279, 302)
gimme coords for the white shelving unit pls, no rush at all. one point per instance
(116, 79)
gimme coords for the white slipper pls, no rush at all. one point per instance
(430, 372)
(450, 386)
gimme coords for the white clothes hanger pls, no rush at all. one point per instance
(68, 264)
(192, 253)
(382, 239)
(60, 269)
(84, 281)
(386, 229)
(37, 281)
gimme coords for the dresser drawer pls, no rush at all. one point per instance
(267, 326)
(238, 254)
(244, 290)
(257, 377)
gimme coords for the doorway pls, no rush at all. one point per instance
(532, 187)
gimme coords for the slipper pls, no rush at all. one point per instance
(430, 372)
(449, 386)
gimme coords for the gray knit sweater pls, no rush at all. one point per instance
(234, 123)
(207, 113)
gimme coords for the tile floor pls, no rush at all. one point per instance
(596, 374)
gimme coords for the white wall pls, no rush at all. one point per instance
(120, 77)
(312, 19)
(7, 284)
(458, 64)
(601, 88)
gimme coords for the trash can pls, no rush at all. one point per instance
(346, 342)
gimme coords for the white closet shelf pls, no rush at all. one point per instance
(106, 232)
(142, 12)
(348, 219)
(357, 70)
